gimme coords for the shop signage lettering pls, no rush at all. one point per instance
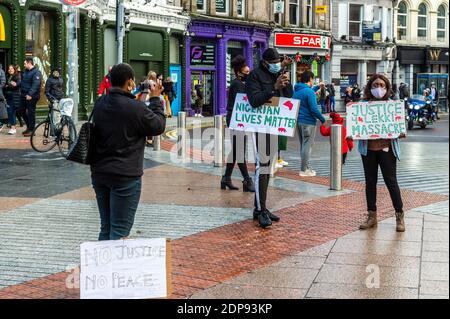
(321, 9)
(124, 269)
(375, 120)
(302, 41)
(280, 119)
(435, 54)
(73, 2)
(2, 29)
(203, 55)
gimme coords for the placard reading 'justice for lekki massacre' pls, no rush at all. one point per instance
(376, 120)
(276, 120)
(123, 269)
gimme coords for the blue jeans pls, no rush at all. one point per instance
(11, 114)
(322, 104)
(333, 103)
(306, 135)
(117, 203)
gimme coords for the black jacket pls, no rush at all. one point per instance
(12, 93)
(31, 83)
(236, 87)
(260, 87)
(54, 88)
(121, 126)
(169, 90)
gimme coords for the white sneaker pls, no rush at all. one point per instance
(12, 131)
(200, 115)
(312, 171)
(307, 173)
(1, 127)
(283, 163)
(278, 166)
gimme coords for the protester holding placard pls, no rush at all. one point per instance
(238, 139)
(383, 153)
(264, 83)
(307, 119)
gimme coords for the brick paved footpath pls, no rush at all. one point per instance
(231, 255)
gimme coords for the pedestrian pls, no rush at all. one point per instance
(347, 143)
(307, 120)
(3, 105)
(30, 93)
(12, 93)
(169, 94)
(18, 115)
(331, 97)
(267, 81)
(121, 125)
(54, 87)
(356, 93)
(322, 95)
(382, 153)
(199, 99)
(394, 93)
(106, 83)
(435, 98)
(238, 139)
(348, 95)
(282, 147)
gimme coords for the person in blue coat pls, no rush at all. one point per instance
(30, 89)
(307, 119)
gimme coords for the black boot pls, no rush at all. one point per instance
(271, 216)
(226, 182)
(264, 219)
(248, 186)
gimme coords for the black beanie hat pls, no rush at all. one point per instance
(271, 55)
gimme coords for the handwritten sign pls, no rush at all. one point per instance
(375, 120)
(125, 269)
(277, 119)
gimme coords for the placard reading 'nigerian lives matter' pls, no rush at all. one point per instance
(375, 120)
(279, 119)
(124, 269)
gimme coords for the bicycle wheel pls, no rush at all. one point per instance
(41, 139)
(67, 137)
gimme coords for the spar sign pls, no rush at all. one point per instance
(376, 120)
(72, 2)
(302, 41)
(278, 117)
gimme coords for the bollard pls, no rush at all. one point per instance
(157, 143)
(218, 141)
(336, 158)
(181, 132)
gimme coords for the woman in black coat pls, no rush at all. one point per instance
(12, 94)
(238, 139)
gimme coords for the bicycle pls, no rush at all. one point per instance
(57, 129)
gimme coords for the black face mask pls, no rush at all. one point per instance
(243, 77)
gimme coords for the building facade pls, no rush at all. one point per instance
(422, 37)
(362, 42)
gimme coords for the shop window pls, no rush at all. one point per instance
(294, 12)
(223, 7)
(422, 22)
(441, 22)
(309, 13)
(402, 21)
(38, 44)
(355, 20)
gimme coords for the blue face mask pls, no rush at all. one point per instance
(275, 67)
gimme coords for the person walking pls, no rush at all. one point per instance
(307, 120)
(264, 83)
(121, 126)
(199, 99)
(382, 153)
(12, 93)
(331, 97)
(322, 97)
(169, 94)
(30, 93)
(238, 139)
(356, 93)
(54, 87)
(18, 115)
(106, 83)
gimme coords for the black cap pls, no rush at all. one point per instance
(271, 55)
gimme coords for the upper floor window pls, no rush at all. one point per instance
(223, 7)
(309, 13)
(294, 12)
(355, 20)
(402, 18)
(422, 22)
(201, 5)
(441, 22)
(241, 8)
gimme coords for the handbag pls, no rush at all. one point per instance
(83, 151)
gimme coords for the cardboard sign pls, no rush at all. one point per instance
(278, 117)
(125, 269)
(376, 120)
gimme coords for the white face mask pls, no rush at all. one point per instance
(379, 93)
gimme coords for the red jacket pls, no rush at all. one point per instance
(347, 143)
(105, 85)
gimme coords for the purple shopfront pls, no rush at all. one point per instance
(209, 50)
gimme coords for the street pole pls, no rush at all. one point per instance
(120, 29)
(218, 141)
(336, 158)
(181, 131)
(73, 60)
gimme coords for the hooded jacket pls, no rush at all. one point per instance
(309, 111)
(54, 88)
(347, 143)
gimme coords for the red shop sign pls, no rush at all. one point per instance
(302, 41)
(73, 2)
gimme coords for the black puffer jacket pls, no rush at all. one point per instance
(260, 86)
(54, 88)
(12, 93)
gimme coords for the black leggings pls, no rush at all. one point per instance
(388, 164)
(238, 154)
